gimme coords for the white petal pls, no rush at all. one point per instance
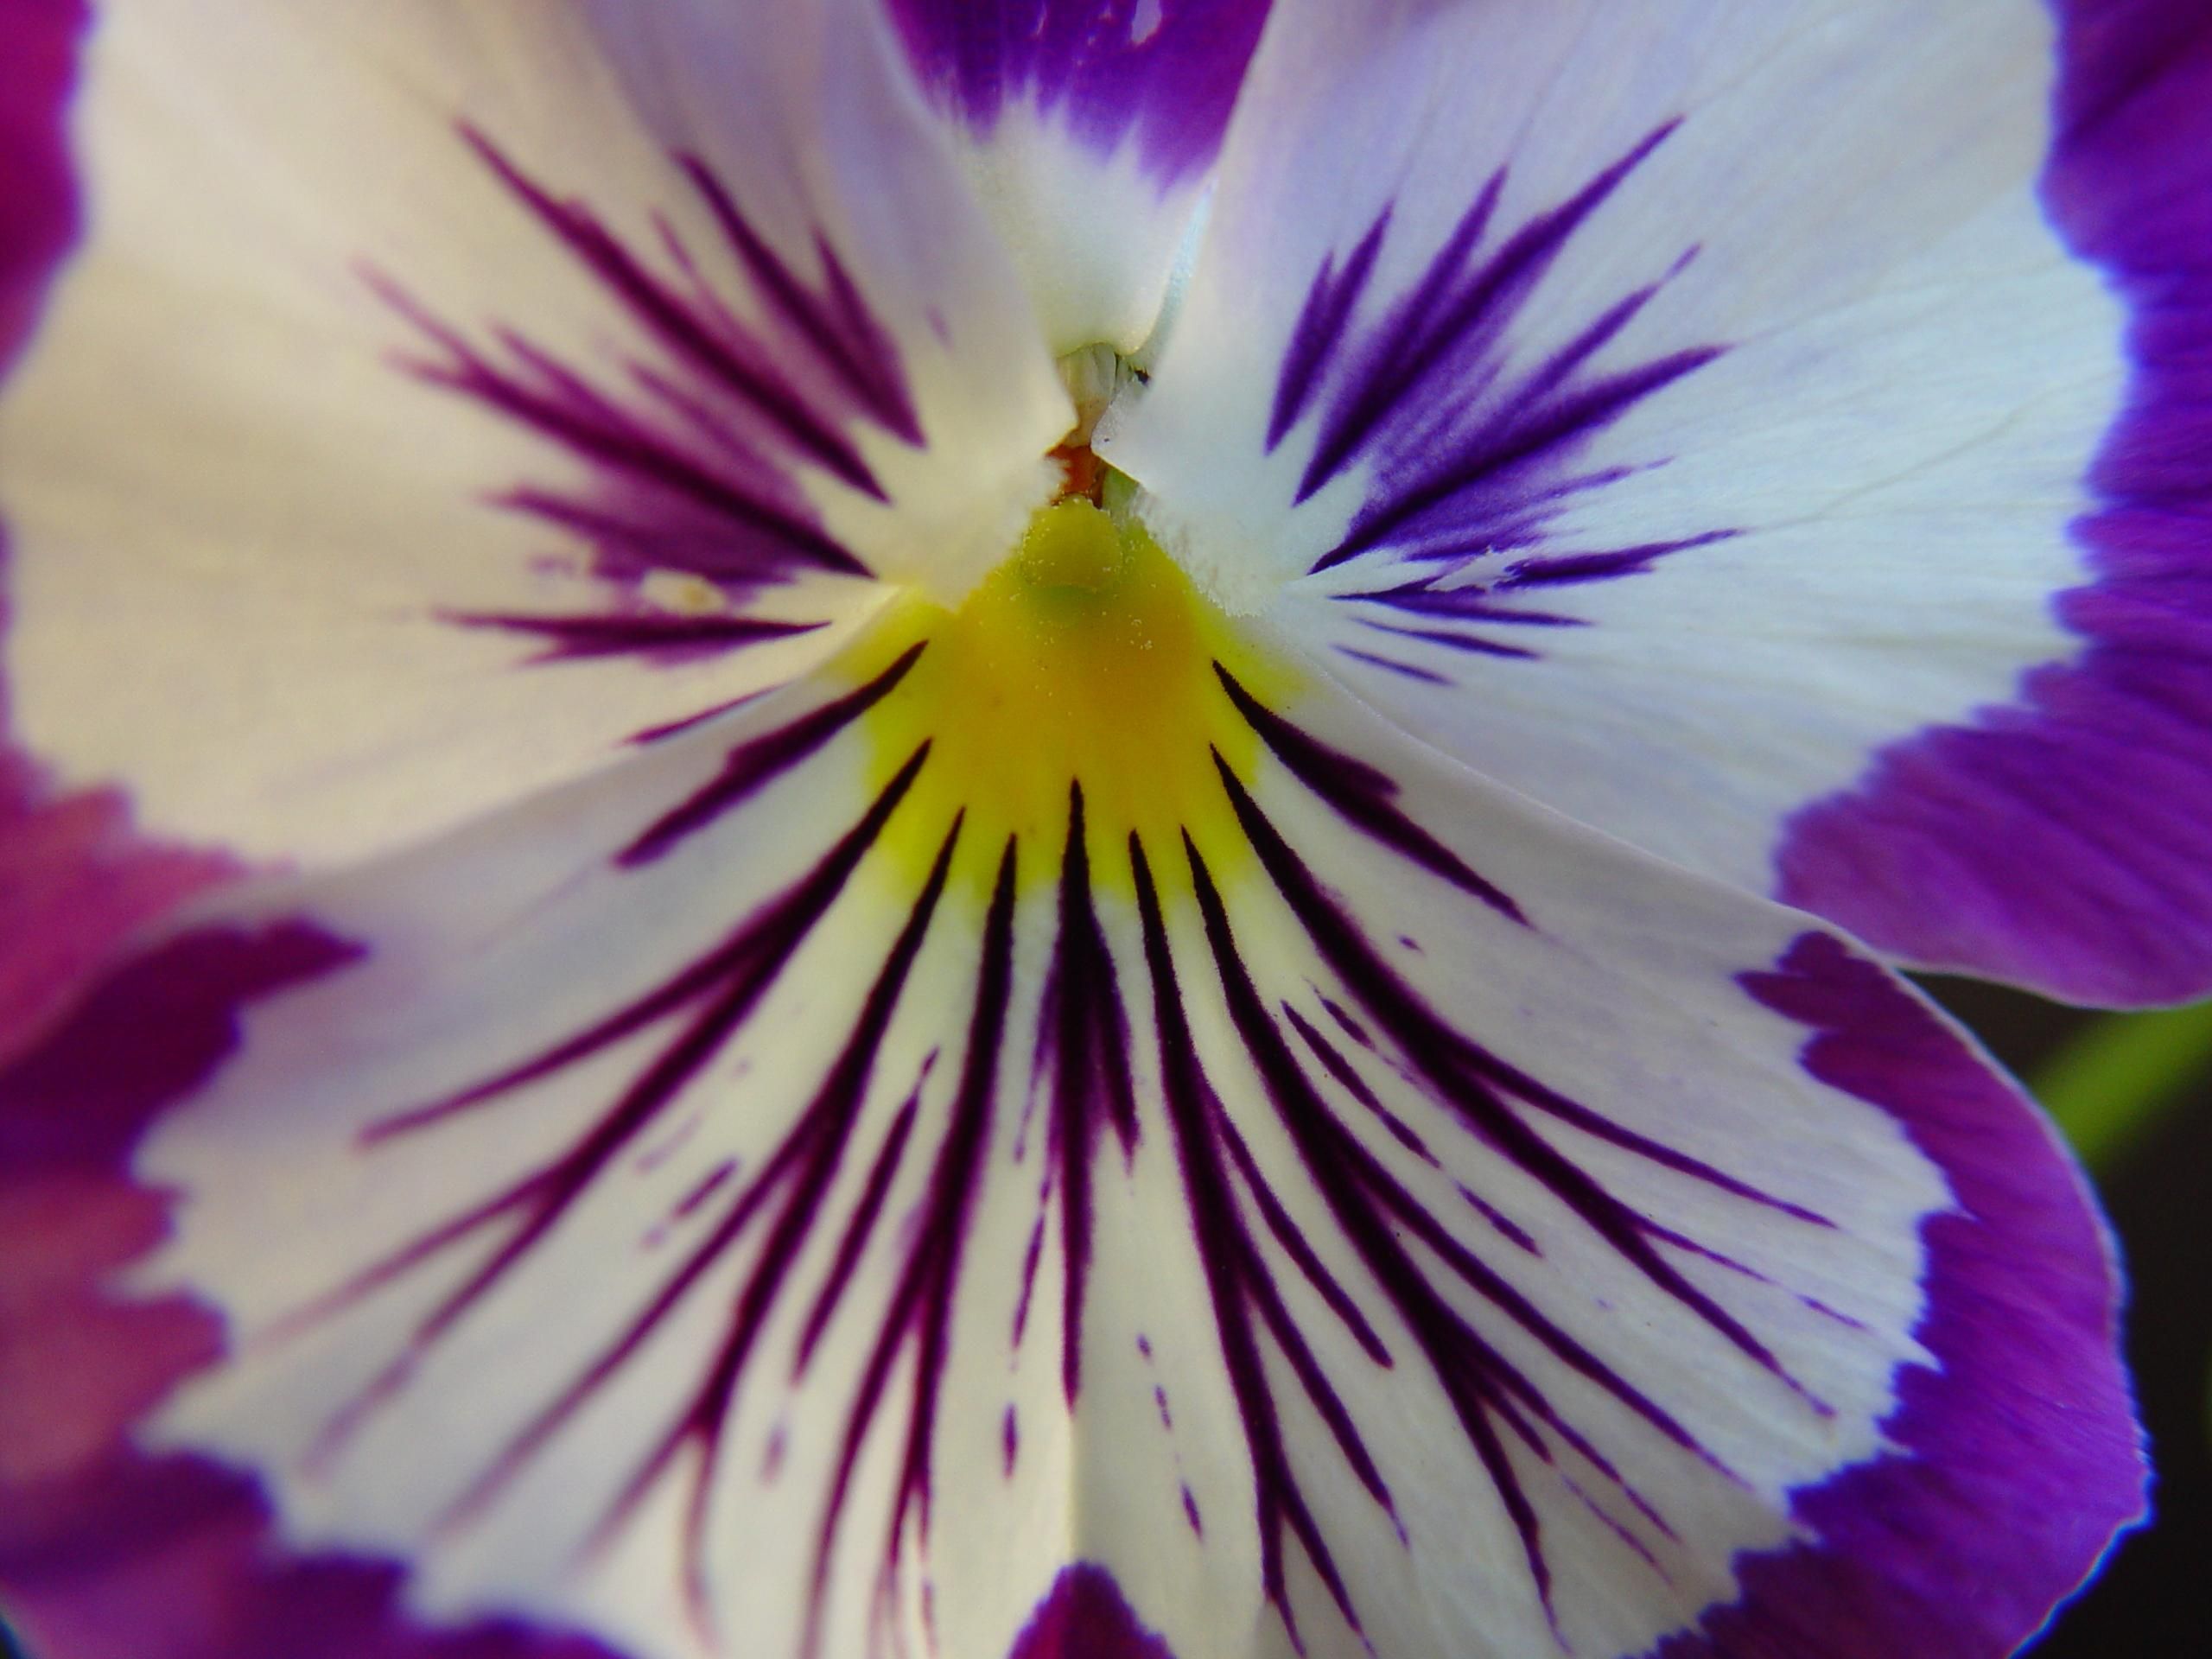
(1736, 435)
(263, 460)
(1492, 1262)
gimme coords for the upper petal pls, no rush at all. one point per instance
(434, 403)
(1091, 130)
(1946, 848)
(1693, 429)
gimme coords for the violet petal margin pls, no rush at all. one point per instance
(2024, 1413)
(1087, 1617)
(2065, 840)
(38, 209)
(73, 881)
(107, 1553)
(1163, 73)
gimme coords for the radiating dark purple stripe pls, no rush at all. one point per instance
(1084, 1035)
(1565, 570)
(797, 1179)
(920, 1310)
(1472, 644)
(660, 637)
(754, 766)
(1463, 1077)
(1518, 436)
(1396, 351)
(1363, 796)
(773, 934)
(683, 723)
(1468, 461)
(694, 452)
(1372, 1209)
(1455, 313)
(731, 980)
(1467, 601)
(1407, 670)
(767, 534)
(1321, 322)
(1293, 1243)
(850, 342)
(1329, 773)
(666, 317)
(1353, 1084)
(859, 1228)
(1238, 1285)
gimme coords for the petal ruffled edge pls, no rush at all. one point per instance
(38, 209)
(1905, 858)
(73, 880)
(1163, 77)
(2025, 1411)
(117, 1542)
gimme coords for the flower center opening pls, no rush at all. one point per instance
(1086, 661)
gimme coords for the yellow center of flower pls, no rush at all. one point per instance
(1086, 658)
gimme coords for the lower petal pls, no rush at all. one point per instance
(778, 1197)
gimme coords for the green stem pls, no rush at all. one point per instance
(2109, 1084)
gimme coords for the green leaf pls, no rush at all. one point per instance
(2109, 1084)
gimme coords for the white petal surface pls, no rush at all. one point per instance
(1735, 434)
(754, 1177)
(410, 346)
(1471, 1266)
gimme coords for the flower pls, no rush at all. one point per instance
(987, 829)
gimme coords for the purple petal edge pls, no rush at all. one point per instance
(107, 1552)
(2017, 1457)
(1161, 74)
(1086, 1617)
(2064, 841)
(38, 197)
(74, 881)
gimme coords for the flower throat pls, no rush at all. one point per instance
(1086, 660)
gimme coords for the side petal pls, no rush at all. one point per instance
(740, 1203)
(435, 403)
(1091, 130)
(1677, 429)
(2097, 767)
(714, 1264)
(75, 880)
(38, 212)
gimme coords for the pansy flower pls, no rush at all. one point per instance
(888, 827)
